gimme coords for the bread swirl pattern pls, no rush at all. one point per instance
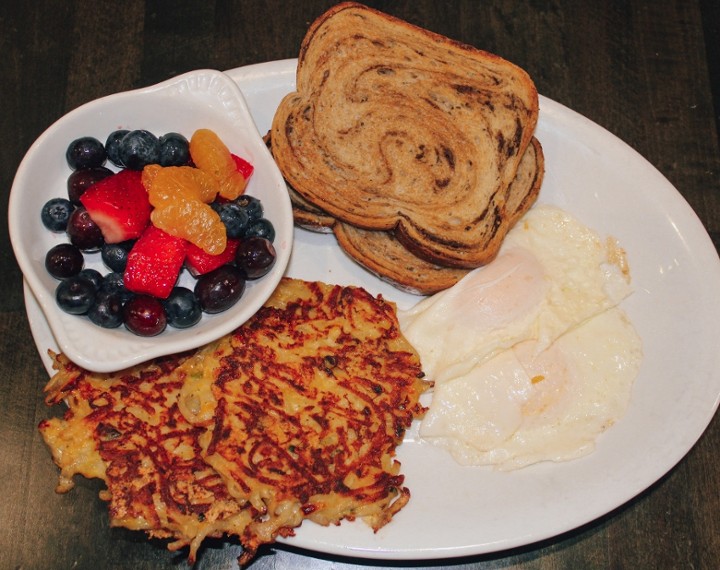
(395, 128)
(382, 254)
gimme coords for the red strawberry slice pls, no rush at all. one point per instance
(119, 205)
(243, 166)
(199, 262)
(154, 263)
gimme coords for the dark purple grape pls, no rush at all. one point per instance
(220, 289)
(138, 149)
(182, 308)
(112, 146)
(64, 260)
(144, 315)
(75, 295)
(85, 152)
(262, 227)
(174, 150)
(255, 256)
(107, 310)
(80, 180)
(56, 213)
(83, 232)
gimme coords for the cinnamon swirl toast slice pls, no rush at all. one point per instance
(395, 128)
(383, 255)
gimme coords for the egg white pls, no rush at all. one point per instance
(531, 356)
(522, 407)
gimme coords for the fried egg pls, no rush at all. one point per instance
(531, 355)
(521, 407)
(551, 274)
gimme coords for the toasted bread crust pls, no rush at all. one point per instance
(396, 128)
(384, 256)
(309, 216)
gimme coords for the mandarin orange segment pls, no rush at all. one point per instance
(210, 155)
(233, 185)
(164, 183)
(207, 185)
(148, 175)
(194, 221)
(180, 194)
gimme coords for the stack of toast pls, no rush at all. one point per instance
(416, 151)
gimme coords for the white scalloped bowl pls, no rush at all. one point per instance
(199, 99)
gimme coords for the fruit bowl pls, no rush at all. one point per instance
(203, 99)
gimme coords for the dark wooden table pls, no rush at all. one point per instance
(648, 71)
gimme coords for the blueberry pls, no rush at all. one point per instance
(107, 310)
(182, 308)
(113, 282)
(56, 213)
(115, 255)
(174, 150)
(92, 275)
(234, 217)
(138, 149)
(75, 295)
(112, 146)
(261, 227)
(64, 260)
(85, 152)
(252, 206)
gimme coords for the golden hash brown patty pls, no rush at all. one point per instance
(295, 415)
(127, 430)
(312, 397)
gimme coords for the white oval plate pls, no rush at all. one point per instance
(199, 99)
(458, 511)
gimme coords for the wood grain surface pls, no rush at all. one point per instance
(648, 71)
